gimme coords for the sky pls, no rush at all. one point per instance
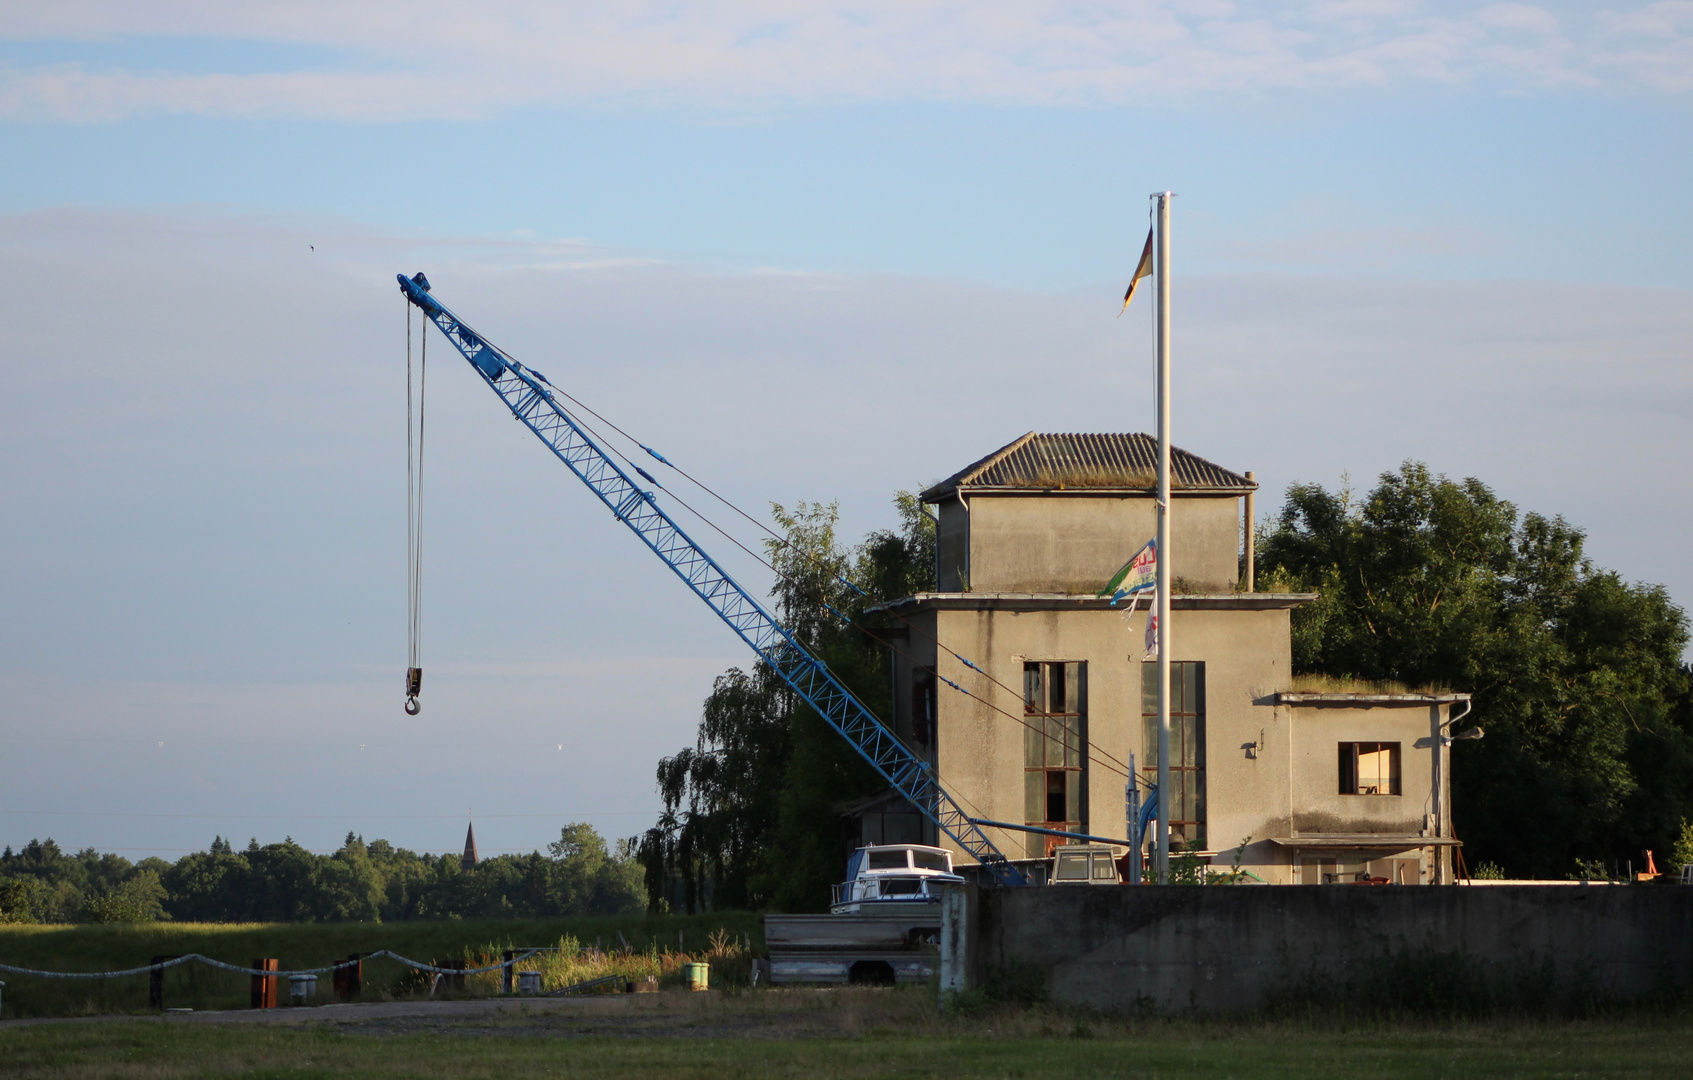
(810, 251)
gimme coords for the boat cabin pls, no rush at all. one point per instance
(880, 876)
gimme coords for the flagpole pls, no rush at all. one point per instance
(1161, 602)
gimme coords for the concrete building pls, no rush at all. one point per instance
(1307, 786)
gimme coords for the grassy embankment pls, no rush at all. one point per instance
(587, 948)
(817, 1035)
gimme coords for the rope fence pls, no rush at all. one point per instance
(161, 965)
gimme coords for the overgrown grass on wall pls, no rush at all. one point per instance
(582, 949)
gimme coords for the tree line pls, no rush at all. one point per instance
(364, 882)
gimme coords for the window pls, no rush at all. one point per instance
(1187, 744)
(931, 860)
(923, 707)
(1054, 751)
(1369, 768)
(889, 860)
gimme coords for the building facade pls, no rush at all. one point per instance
(1031, 697)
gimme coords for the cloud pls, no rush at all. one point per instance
(452, 59)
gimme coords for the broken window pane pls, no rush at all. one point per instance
(1054, 749)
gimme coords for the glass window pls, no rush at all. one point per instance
(1072, 866)
(888, 860)
(1187, 744)
(1054, 750)
(1369, 768)
(931, 860)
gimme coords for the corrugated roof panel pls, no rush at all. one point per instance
(1088, 461)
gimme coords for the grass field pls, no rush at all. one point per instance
(818, 1035)
(658, 947)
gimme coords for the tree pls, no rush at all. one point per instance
(1576, 674)
(751, 811)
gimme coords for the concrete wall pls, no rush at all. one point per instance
(1236, 949)
(1074, 543)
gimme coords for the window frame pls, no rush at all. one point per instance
(1055, 731)
(1187, 717)
(1351, 780)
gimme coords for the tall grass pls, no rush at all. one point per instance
(572, 961)
(655, 946)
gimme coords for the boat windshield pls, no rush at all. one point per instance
(931, 860)
(888, 860)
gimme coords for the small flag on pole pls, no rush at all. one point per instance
(1144, 270)
(1138, 575)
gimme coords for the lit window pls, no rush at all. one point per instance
(1369, 768)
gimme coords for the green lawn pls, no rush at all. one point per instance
(1030, 1043)
(297, 945)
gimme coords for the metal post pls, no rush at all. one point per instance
(1161, 605)
(1131, 798)
(264, 986)
(156, 983)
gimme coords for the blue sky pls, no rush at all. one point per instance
(822, 250)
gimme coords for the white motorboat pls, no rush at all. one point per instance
(890, 879)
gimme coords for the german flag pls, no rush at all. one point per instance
(1144, 270)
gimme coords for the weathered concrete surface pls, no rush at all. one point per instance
(1240, 948)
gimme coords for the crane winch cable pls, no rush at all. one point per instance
(1111, 762)
(1099, 756)
(414, 519)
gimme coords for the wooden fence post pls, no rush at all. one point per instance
(507, 976)
(156, 982)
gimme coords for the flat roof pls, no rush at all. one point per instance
(1318, 700)
(975, 601)
(1366, 840)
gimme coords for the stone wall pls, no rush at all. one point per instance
(1236, 949)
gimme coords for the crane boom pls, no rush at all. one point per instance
(529, 397)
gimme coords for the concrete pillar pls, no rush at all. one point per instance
(960, 920)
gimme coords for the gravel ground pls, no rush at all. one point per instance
(777, 1014)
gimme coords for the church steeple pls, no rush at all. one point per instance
(470, 847)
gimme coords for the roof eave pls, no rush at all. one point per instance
(1088, 602)
(941, 494)
(1319, 700)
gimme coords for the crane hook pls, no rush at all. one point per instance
(412, 707)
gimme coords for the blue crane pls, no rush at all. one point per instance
(530, 398)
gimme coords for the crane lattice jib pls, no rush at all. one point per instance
(530, 398)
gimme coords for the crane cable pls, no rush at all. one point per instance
(414, 517)
(1098, 755)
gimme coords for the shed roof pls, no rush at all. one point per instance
(1125, 461)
